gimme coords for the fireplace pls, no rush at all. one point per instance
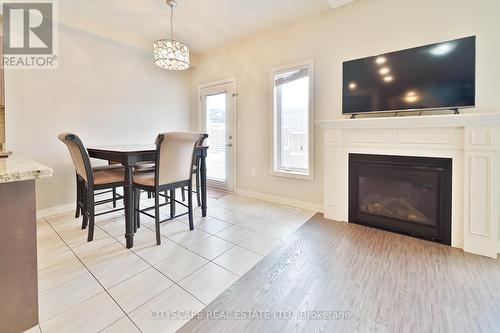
(404, 194)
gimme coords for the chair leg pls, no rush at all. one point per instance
(198, 188)
(84, 206)
(137, 197)
(114, 197)
(157, 218)
(78, 197)
(134, 195)
(183, 191)
(190, 206)
(172, 203)
(91, 212)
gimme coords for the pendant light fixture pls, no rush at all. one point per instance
(169, 53)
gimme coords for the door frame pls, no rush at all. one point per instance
(234, 122)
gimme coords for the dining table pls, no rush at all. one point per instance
(129, 156)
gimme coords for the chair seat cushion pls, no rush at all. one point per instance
(109, 176)
(145, 166)
(144, 178)
(108, 167)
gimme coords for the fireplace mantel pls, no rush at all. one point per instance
(471, 140)
(427, 121)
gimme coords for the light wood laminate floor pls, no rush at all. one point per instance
(386, 282)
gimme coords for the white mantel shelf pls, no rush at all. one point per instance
(427, 121)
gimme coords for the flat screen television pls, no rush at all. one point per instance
(431, 77)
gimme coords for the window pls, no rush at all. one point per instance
(292, 146)
(216, 129)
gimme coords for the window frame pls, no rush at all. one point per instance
(275, 121)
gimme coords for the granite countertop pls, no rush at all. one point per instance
(19, 169)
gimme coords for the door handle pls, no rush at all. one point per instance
(229, 145)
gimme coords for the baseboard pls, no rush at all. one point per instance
(256, 195)
(54, 210)
(281, 200)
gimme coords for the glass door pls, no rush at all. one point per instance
(217, 118)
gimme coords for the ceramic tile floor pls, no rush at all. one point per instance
(103, 287)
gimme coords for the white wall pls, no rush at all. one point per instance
(364, 28)
(105, 91)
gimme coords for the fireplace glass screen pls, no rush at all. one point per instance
(404, 194)
(412, 201)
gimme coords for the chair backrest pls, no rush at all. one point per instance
(174, 156)
(196, 161)
(79, 155)
(203, 136)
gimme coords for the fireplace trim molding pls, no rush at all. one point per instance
(472, 141)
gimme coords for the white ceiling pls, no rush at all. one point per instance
(201, 24)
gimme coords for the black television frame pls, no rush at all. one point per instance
(455, 108)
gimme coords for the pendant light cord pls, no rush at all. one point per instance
(171, 22)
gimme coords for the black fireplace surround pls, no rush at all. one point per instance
(404, 194)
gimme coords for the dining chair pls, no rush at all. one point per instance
(150, 166)
(91, 180)
(197, 172)
(173, 169)
(79, 184)
(145, 166)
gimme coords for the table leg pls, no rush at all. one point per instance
(129, 207)
(203, 175)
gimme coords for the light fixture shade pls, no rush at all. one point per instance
(171, 54)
